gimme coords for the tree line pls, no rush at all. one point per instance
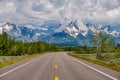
(12, 47)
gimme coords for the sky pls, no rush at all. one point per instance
(37, 12)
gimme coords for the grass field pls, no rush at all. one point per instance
(109, 60)
(8, 60)
(107, 57)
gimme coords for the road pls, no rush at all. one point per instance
(57, 66)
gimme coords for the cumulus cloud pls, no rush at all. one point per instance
(37, 12)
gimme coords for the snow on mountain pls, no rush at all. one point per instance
(18, 32)
(82, 35)
(74, 29)
(107, 29)
(27, 33)
(73, 32)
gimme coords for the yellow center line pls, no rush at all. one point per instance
(55, 66)
(56, 78)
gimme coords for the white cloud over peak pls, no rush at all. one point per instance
(38, 11)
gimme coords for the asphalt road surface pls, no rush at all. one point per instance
(57, 66)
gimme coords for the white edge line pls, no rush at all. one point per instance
(95, 69)
(18, 67)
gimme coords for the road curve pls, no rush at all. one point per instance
(57, 66)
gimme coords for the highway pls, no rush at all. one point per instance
(57, 66)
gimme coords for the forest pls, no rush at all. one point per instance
(12, 47)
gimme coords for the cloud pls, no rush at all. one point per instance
(113, 14)
(10, 4)
(36, 12)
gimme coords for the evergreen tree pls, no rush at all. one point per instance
(11, 47)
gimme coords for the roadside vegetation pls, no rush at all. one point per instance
(103, 51)
(8, 60)
(12, 51)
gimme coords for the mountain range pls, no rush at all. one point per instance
(71, 34)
